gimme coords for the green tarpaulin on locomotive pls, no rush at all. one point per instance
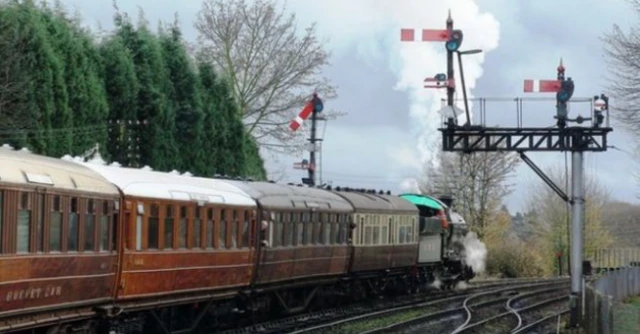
(422, 200)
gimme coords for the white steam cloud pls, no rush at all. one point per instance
(373, 27)
(475, 252)
(419, 60)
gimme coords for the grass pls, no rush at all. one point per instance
(635, 300)
(382, 321)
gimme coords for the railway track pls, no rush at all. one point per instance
(402, 312)
(511, 317)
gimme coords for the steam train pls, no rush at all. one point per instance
(96, 248)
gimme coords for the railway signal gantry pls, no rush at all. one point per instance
(577, 139)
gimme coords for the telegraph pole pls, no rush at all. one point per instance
(577, 139)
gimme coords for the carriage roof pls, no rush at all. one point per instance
(289, 197)
(365, 201)
(147, 183)
(25, 168)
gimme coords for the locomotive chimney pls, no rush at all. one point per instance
(447, 200)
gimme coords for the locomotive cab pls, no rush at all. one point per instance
(432, 224)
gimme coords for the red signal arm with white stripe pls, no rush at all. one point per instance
(302, 116)
(434, 83)
(542, 86)
(428, 35)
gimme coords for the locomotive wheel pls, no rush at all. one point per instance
(53, 330)
(65, 329)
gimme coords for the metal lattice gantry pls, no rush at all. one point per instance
(493, 139)
(469, 138)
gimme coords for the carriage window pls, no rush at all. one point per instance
(209, 228)
(344, 232)
(327, 230)
(403, 235)
(222, 234)
(278, 233)
(376, 235)
(104, 227)
(234, 229)
(40, 223)
(153, 226)
(338, 228)
(245, 229)
(409, 233)
(288, 230)
(1, 212)
(168, 227)
(308, 230)
(299, 233)
(72, 240)
(182, 232)
(361, 230)
(139, 231)
(317, 234)
(89, 226)
(368, 235)
(331, 218)
(406, 234)
(24, 220)
(415, 235)
(197, 229)
(113, 226)
(384, 235)
(319, 231)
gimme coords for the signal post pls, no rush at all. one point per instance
(312, 108)
(468, 138)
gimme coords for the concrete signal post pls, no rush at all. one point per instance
(577, 139)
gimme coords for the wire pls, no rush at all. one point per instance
(567, 209)
(622, 150)
(374, 177)
(56, 130)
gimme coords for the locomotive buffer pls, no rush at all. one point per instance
(577, 139)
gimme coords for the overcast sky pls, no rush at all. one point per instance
(389, 131)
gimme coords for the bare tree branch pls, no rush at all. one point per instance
(272, 67)
(622, 51)
(550, 215)
(478, 181)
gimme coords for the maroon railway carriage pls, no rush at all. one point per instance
(57, 259)
(185, 240)
(385, 243)
(304, 244)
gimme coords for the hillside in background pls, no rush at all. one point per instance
(623, 221)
